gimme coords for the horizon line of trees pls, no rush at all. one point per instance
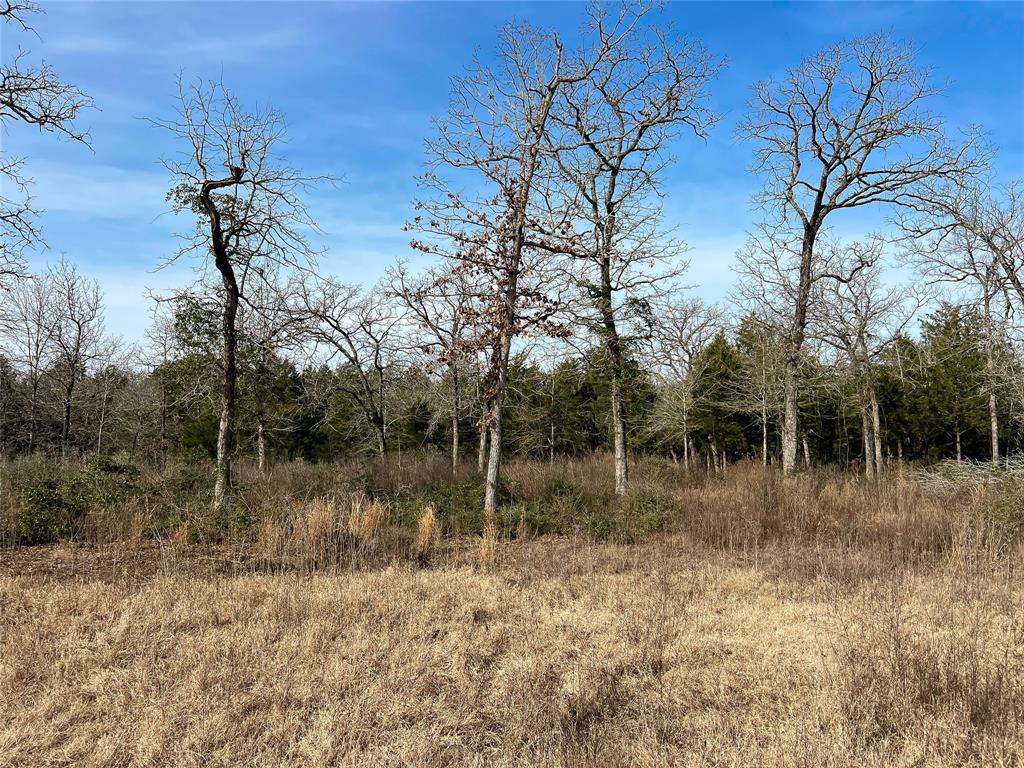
(552, 316)
(702, 389)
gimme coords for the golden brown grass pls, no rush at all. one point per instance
(563, 653)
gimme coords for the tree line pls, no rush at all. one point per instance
(544, 308)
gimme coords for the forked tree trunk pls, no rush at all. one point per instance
(791, 413)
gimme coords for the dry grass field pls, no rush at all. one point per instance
(562, 652)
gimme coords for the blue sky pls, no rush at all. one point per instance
(359, 82)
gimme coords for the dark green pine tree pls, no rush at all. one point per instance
(954, 376)
(716, 427)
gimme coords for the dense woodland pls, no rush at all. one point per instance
(544, 308)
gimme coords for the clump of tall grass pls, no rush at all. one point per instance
(958, 689)
(427, 534)
(327, 533)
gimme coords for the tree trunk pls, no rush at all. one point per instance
(869, 441)
(32, 415)
(551, 445)
(993, 415)
(99, 428)
(381, 435)
(619, 421)
(65, 432)
(226, 432)
(876, 431)
(229, 346)
(456, 406)
(790, 416)
(791, 413)
(764, 436)
(959, 453)
(493, 478)
(686, 442)
(807, 452)
(481, 452)
(261, 446)
(990, 369)
(613, 346)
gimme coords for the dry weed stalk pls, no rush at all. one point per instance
(427, 534)
(488, 547)
(365, 518)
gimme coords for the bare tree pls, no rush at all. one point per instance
(360, 327)
(33, 95)
(992, 216)
(251, 219)
(845, 129)
(439, 302)
(28, 326)
(959, 257)
(861, 318)
(760, 390)
(611, 131)
(680, 331)
(267, 323)
(496, 127)
(76, 304)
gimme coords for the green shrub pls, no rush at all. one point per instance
(646, 509)
(459, 506)
(43, 517)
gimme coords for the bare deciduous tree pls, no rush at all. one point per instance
(847, 128)
(496, 127)
(33, 95)
(439, 302)
(362, 329)
(680, 331)
(761, 344)
(76, 304)
(861, 318)
(251, 218)
(28, 325)
(959, 257)
(611, 133)
(994, 217)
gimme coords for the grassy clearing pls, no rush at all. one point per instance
(567, 652)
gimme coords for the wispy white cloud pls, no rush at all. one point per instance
(183, 46)
(101, 191)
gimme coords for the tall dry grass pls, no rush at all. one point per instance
(565, 652)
